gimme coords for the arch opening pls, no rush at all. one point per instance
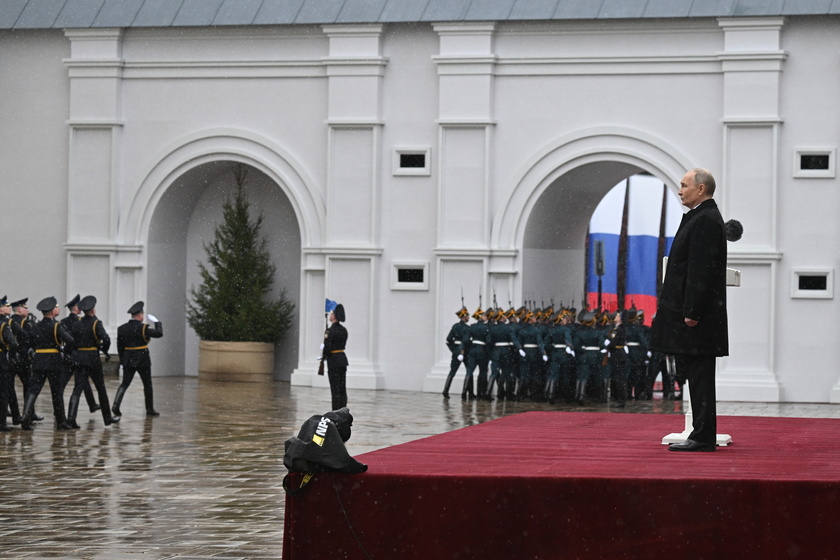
(183, 220)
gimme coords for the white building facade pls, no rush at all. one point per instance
(399, 164)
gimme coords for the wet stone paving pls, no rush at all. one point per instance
(204, 480)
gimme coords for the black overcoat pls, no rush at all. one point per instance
(694, 287)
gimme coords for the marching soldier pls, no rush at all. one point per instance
(22, 325)
(453, 342)
(637, 378)
(561, 366)
(501, 356)
(68, 322)
(8, 344)
(133, 348)
(48, 338)
(587, 341)
(532, 357)
(617, 351)
(477, 354)
(90, 337)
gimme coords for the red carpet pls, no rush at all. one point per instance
(544, 485)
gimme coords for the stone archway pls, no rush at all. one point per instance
(175, 210)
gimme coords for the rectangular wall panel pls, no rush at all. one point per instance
(350, 283)
(750, 307)
(90, 275)
(463, 187)
(351, 198)
(749, 188)
(90, 184)
(457, 277)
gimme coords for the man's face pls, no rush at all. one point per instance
(74, 310)
(5, 310)
(690, 192)
(22, 311)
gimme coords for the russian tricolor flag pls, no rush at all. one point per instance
(635, 224)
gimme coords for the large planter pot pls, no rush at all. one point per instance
(236, 361)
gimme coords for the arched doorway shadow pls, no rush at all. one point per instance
(184, 219)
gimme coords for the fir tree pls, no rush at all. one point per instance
(233, 302)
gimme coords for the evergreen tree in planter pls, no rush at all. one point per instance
(233, 302)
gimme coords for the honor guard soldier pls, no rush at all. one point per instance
(561, 365)
(617, 354)
(532, 358)
(476, 354)
(133, 348)
(587, 340)
(8, 344)
(335, 343)
(48, 338)
(453, 342)
(22, 325)
(501, 355)
(90, 337)
(68, 322)
(637, 378)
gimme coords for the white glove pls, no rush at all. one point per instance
(490, 363)
(604, 351)
(522, 353)
(607, 342)
(573, 353)
(545, 358)
(152, 318)
(322, 347)
(649, 354)
(570, 351)
(460, 357)
(626, 350)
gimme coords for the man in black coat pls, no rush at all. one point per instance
(691, 320)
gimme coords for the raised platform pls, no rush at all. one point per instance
(581, 485)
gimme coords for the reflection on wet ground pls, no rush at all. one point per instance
(203, 480)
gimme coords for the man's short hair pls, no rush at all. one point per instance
(705, 177)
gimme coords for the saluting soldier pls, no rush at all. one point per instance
(477, 354)
(90, 337)
(453, 342)
(8, 344)
(48, 338)
(68, 322)
(133, 348)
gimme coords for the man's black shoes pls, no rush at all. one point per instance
(691, 445)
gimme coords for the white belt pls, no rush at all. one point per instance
(502, 344)
(481, 342)
(632, 344)
(591, 348)
(530, 346)
(457, 342)
(559, 345)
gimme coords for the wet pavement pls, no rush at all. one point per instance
(204, 480)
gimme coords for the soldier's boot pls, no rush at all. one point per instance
(468, 388)
(14, 411)
(148, 393)
(550, 388)
(91, 400)
(26, 418)
(107, 415)
(580, 391)
(448, 384)
(481, 383)
(118, 401)
(72, 411)
(60, 415)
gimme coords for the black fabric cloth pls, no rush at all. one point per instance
(694, 288)
(319, 445)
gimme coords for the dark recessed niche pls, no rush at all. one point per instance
(814, 162)
(813, 282)
(410, 275)
(412, 161)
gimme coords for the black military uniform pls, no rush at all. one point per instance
(335, 342)
(21, 359)
(67, 374)
(617, 351)
(133, 348)
(8, 344)
(90, 337)
(453, 342)
(48, 339)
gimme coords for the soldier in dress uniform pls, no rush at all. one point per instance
(617, 353)
(476, 354)
(637, 379)
(587, 340)
(532, 357)
(133, 348)
(22, 325)
(8, 344)
(559, 342)
(335, 342)
(68, 322)
(48, 340)
(90, 337)
(501, 355)
(453, 342)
